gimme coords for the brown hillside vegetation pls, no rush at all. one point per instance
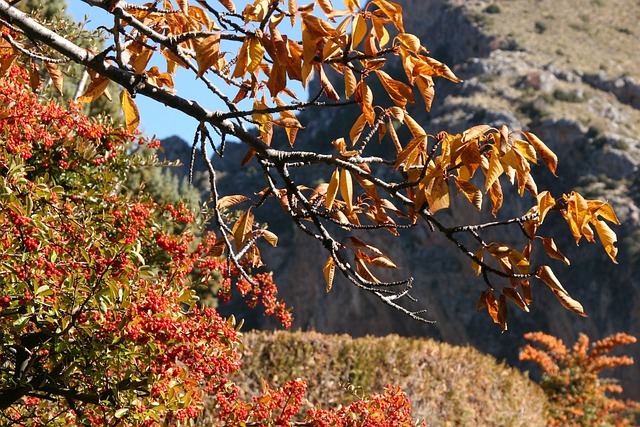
(448, 385)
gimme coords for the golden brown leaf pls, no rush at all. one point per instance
(495, 170)
(270, 237)
(608, 239)
(95, 89)
(357, 128)
(359, 30)
(56, 76)
(393, 11)
(228, 4)
(350, 82)
(427, 90)
(399, 92)
(552, 250)
(242, 229)
(471, 192)
(346, 188)
(228, 201)
(545, 274)
(332, 190)
(130, 110)
(495, 193)
(477, 268)
(502, 312)
(416, 130)
(548, 156)
(207, 53)
(329, 271)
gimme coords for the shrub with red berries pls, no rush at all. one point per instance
(99, 321)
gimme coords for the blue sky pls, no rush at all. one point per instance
(157, 119)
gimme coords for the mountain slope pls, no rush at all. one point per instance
(566, 70)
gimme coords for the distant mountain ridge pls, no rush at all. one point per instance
(521, 71)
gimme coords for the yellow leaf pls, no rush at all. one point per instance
(608, 239)
(364, 97)
(332, 190)
(411, 153)
(381, 261)
(477, 268)
(95, 89)
(411, 42)
(130, 110)
(346, 188)
(270, 237)
(603, 209)
(358, 31)
(329, 271)
(548, 156)
(256, 53)
(474, 132)
(292, 6)
(56, 76)
(438, 194)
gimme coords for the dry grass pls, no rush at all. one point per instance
(582, 35)
(447, 385)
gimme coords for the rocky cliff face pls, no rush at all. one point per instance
(568, 78)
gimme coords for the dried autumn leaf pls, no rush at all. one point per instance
(502, 313)
(494, 172)
(545, 274)
(184, 6)
(346, 188)
(552, 250)
(228, 4)
(228, 201)
(548, 156)
(270, 237)
(381, 261)
(477, 268)
(393, 11)
(242, 228)
(329, 271)
(350, 82)
(95, 89)
(399, 92)
(56, 76)
(207, 53)
(608, 239)
(471, 192)
(514, 296)
(358, 30)
(256, 53)
(332, 190)
(130, 110)
(357, 128)
(363, 270)
(325, 5)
